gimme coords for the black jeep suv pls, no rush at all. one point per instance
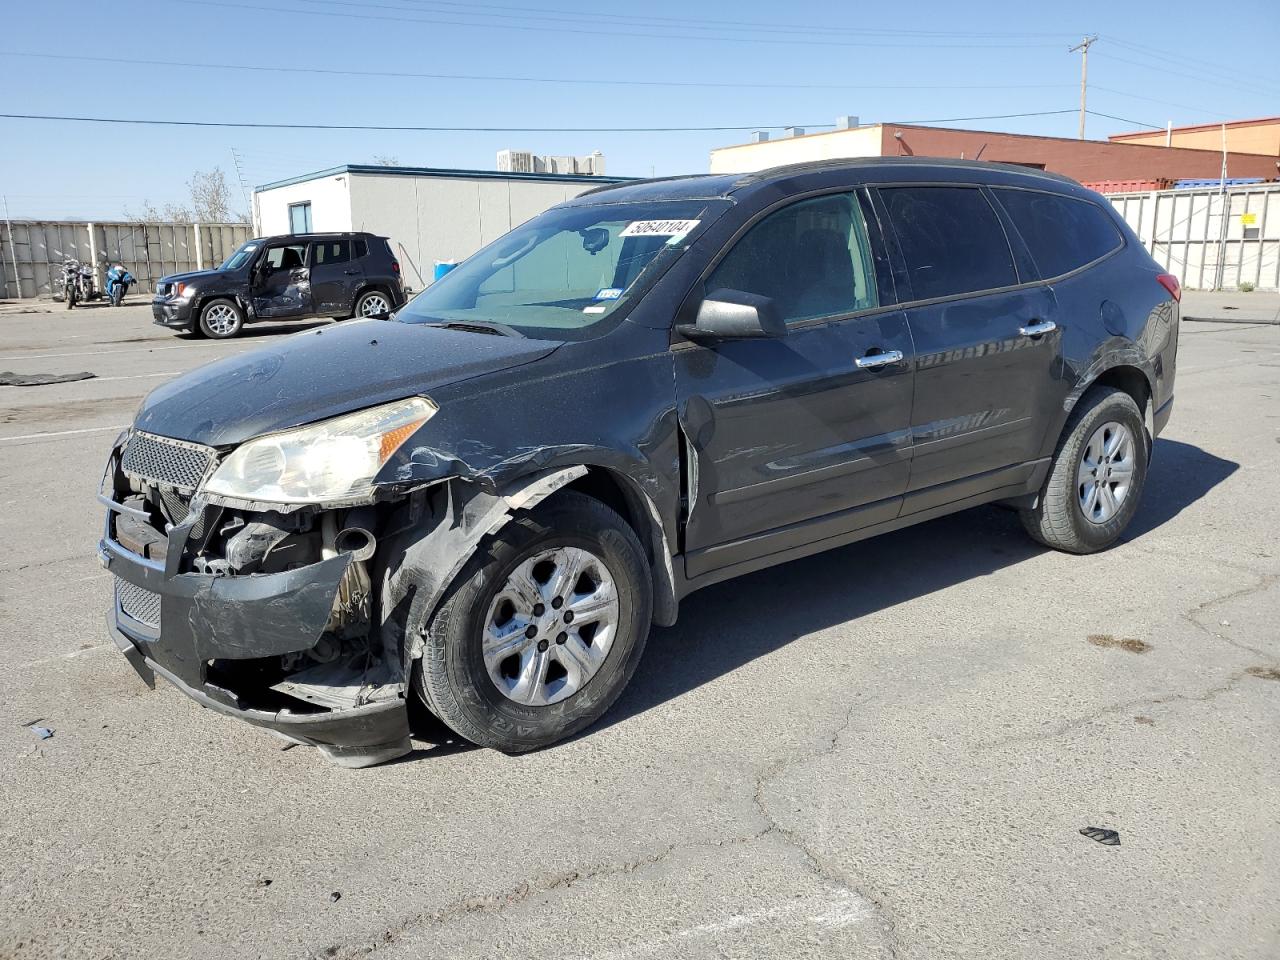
(486, 501)
(297, 277)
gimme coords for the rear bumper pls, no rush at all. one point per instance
(202, 618)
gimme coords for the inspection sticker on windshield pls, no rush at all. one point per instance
(608, 293)
(675, 229)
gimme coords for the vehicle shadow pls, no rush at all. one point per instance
(731, 624)
(728, 625)
(253, 331)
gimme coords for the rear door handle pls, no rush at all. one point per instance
(873, 360)
(1038, 328)
(350, 273)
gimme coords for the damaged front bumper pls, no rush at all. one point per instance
(220, 639)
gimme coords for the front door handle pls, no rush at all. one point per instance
(350, 273)
(873, 360)
(1038, 328)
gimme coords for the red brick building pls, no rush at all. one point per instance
(1083, 160)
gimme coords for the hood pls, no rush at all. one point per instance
(188, 277)
(323, 373)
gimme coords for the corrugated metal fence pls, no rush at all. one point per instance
(1209, 239)
(149, 250)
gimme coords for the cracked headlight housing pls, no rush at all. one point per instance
(332, 461)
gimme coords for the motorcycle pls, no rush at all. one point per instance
(76, 283)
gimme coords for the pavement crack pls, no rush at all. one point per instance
(816, 864)
(1069, 726)
(497, 902)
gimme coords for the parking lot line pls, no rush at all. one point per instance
(61, 433)
(99, 353)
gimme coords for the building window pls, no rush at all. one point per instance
(300, 217)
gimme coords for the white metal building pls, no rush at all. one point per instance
(429, 214)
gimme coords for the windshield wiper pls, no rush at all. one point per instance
(472, 326)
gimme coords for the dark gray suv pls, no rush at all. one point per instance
(486, 501)
(297, 277)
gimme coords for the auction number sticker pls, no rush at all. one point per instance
(675, 229)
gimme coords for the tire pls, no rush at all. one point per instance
(453, 678)
(221, 319)
(117, 295)
(371, 302)
(71, 298)
(1075, 512)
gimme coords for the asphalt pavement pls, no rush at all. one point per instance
(887, 751)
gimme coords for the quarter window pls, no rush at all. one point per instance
(1062, 233)
(812, 258)
(951, 239)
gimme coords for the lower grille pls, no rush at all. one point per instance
(140, 604)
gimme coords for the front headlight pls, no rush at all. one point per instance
(331, 461)
(183, 290)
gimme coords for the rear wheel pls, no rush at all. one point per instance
(71, 297)
(1096, 479)
(370, 303)
(221, 319)
(541, 630)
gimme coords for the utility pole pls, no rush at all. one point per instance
(1083, 46)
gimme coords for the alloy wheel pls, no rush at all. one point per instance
(374, 303)
(550, 627)
(221, 319)
(1105, 474)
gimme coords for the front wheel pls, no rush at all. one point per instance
(541, 630)
(1096, 478)
(221, 319)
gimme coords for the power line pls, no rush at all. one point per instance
(1136, 123)
(1217, 82)
(411, 129)
(542, 16)
(740, 24)
(574, 81)
(433, 129)
(1181, 59)
(1166, 103)
(668, 36)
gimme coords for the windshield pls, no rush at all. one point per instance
(240, 257)
(561, 275)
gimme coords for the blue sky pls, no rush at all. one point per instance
(806, 61)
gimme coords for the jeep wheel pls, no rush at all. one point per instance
(370, 303)
(1097, 475)
(221, 319)
(541, 630)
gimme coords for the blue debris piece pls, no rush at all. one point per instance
(44, 733)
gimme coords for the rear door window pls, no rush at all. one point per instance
(330, 251)
(951, 239)
(812, 258)
(1062, 233)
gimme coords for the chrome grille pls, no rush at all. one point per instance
(173, 463)
(142, 605)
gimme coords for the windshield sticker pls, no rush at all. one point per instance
(600, 309)
(608, 293)
(675, 229)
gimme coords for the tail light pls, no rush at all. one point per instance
(1170, 283)
(395, 268)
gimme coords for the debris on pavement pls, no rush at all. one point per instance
(1131, 644)
(8, 379)
(44, 733)
(335, 896)
(1110, 838)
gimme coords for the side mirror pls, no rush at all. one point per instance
(735, 315)
(380, 315)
